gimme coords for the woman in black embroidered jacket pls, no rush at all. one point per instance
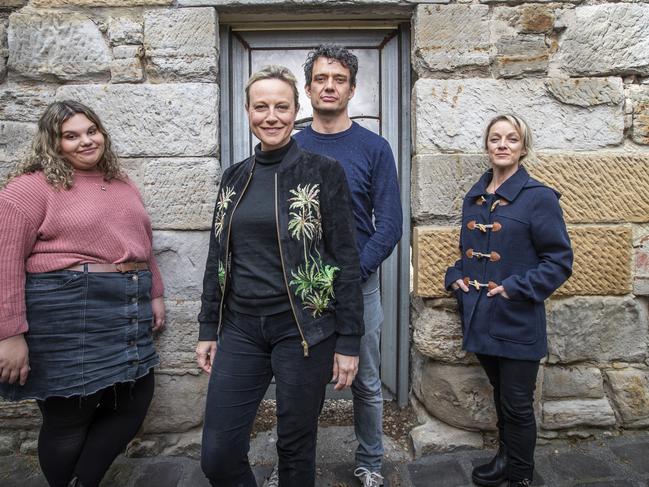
(281, 292)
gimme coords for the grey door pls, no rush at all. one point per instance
(381, 104)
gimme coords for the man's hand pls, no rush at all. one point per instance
(14, 360)
(158, 309)
(345, 369)
(205, 355)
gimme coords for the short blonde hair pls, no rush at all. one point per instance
(274, 71)
(521, 127)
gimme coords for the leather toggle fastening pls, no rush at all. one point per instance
(477, 285)
(493, 256)
(483, 227)
(480, 200)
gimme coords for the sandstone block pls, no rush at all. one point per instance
(639, 96)
(434, 436)
(180, 193)
(524, 19)
(437, 333)
(606, 188)
(24, 102)
(177, 342)
(434, 249)
(605, 39)
(448, 37)
(460, 396)
(450, 115)
(181, 44)
(575, 382)
(8, 443)
(631, 395)
(597, 329)
(177, 402)
(641, 271)
(126, 71)
(125, 30)
(181, 256)
(57, 46)
(23, 415)
(521, 55)
(439, 183)
(559, 415)
(15, 141)
(99, 3)
(586, 92)
(595, 272)
(154, 120)
(127, 52)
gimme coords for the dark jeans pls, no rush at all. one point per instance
(514, 382)
(81, 436)
(251, 349)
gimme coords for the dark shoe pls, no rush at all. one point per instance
(75, 482)
(520, 483)
(493, 473)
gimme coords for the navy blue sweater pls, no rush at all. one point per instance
(372, 176)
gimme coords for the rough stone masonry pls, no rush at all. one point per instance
(578, 71)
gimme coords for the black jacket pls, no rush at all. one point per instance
(317, 247)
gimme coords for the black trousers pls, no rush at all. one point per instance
(514, 382)
(251, 350)
(82, 436)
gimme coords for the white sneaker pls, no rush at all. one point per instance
(273, 479)
(367, 478)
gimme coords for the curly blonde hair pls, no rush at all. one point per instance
(45, 154)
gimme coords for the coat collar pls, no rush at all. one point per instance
(509, 189)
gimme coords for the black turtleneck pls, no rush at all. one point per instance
(257, 286)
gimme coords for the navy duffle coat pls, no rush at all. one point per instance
(517, 238)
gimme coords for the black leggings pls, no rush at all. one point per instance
(81, 436)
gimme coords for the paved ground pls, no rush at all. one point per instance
(616, 462)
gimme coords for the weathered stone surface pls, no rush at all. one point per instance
(155, 120)
(586, 92)
(126, 71)
(99, 3)
(448, 37)
(450, 115)
(439, 183)
(181, 44)
(641, 268)
(434, 436)
(125, 30)
(577, 382)
(598, 329)
(15, 141)
(181, 256)
(459, 396)
(57, 46)
(597, 188)
(8, 443)
(434, 249)
(631, 395)
(437, 332)
(128, 52)
(570, 414)
(174, 407)
(605, 39)
(639, 97)
(521, 55)
(4, 51)
(24, 102)
(176, 344)
(602, 255)
(180, 193)
(23, 415)
(524, 19)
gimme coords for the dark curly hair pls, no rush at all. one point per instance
(331, 51)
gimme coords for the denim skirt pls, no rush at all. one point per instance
(87, 331)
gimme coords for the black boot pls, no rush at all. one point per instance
(493, 473)
(520, 483)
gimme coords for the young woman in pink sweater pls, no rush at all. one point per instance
(80, 294)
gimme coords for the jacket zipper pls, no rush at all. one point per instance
(305, 345)
(227, 248)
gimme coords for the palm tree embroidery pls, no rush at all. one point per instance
(314, 281)
(225, 198)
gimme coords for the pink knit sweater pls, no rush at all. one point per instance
(43, 229)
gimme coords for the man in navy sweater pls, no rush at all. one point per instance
(330, 73)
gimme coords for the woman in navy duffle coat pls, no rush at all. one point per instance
(515, 254)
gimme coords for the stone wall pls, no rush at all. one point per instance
(578, 72)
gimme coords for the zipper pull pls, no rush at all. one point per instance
(305, 346)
